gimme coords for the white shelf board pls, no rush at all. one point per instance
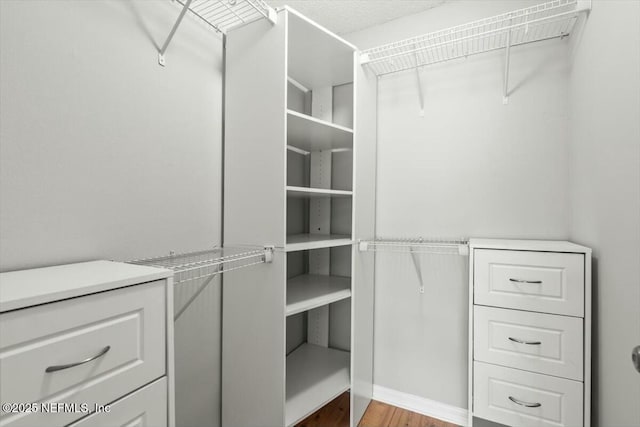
(317, 57)
(316, 192)
(310, 291)
(315, 376)
(310, 134)
(302, 242)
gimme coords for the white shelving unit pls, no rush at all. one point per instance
(309, 291)
(294, 335)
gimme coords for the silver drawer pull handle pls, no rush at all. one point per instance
(525, 342)
(535, 282)
(71, 365)
(521, 403)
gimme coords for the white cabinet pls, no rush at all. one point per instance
(530, 332)
(299, 175)
(146, 407)
(548, 282)
(89, 349)
(545, 343)
(521, 398)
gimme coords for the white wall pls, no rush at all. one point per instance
(605, 182)
(470, 167)
(105, 154)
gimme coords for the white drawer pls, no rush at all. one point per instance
(520, 398)
(146, 407)
(543, 343)
(548, 282)
(131, 321)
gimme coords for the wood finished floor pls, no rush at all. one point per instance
(378, 414)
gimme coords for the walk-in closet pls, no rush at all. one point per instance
(305, 213)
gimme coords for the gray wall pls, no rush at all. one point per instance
(106, 155)
(605, 182)
(470, 167)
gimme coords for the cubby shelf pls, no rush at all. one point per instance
(317, 57)
(316, 192)
(309, 291)
(315, 376)
(310, 134)
(303, 242)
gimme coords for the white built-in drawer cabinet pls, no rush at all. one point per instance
(86, 344)
(530, 332)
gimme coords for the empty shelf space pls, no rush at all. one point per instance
(315, 376)
(309, 134)
(302, 242)
(310, 291)
(317, 57)
(316, 192)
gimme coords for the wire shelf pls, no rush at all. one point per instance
(223, 15)
(200, 268)
(417, 246)
(202, 264)
(554, 19)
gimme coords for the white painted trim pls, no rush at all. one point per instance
(421, 405)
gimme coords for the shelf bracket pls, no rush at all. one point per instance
(364, 58)
(268, 254)
(419, 83)
(420, 92)
(505, 90)
(161, 59)
(416, 264)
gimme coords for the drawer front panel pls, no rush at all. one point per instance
(146, 407)
(536, 281)
(129, 321)
(519, 398)
(543, 343)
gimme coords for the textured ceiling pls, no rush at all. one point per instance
(346, 16)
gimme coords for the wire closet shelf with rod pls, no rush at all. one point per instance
(551, 20)
(201, 267)
(221, 15)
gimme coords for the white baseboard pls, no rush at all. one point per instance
(428, 407)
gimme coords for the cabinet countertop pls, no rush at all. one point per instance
(529, 245)
(25, 288)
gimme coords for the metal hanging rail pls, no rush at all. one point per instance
(554, 19)
(221, 15)
(203, 266)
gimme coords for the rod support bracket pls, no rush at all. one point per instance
(268, 253)
(164, 47)
(272, 15)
